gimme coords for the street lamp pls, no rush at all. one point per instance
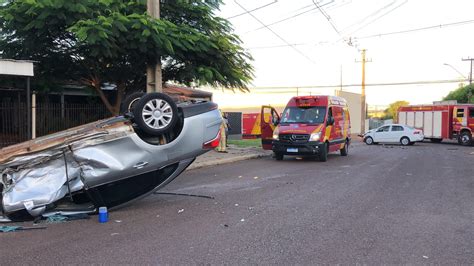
(446, 64)
(469, 94)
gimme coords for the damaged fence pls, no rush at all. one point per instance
(50, 118)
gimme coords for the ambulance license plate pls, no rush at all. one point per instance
(292, 150)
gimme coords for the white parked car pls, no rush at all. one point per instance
(393, 133)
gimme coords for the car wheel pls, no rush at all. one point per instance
(465, 138)
(130, 102)
(323, 153)
(278, 156)
(436, 140)
(345, 150)
(405, 141)
(369, 141)
(155, 113)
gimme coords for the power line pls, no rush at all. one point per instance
(290, 17)
(282, 20)
(418, 29)
(255, 9)
(379, 17)
(423, 82)
(370, 15)
(276, 34)
(327, 16)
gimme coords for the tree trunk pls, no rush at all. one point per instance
(95, 83)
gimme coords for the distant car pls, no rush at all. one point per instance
(106, 163)
(393, 133)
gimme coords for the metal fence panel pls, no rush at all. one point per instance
(50, 118)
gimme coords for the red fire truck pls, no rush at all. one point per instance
(443, 120)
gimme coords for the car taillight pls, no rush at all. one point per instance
(212, 143)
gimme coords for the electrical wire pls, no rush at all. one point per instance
(327, 16)
(459, 23)
(255, 9)
(274, 33)
(358, 85)
(290, 17)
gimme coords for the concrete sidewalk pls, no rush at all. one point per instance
(233, 154)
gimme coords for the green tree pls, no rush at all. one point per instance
(392, 111)
(463, 94)
(112, 41)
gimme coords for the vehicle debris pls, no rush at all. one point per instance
(13, 228)
(180, 211)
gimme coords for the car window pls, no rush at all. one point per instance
(383, 129)
(397, 128)
(471, 112)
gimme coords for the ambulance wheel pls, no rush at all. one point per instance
(345, 150)
(405, 141)
(369, 141)
(323, 153)
(465, 138)
(278, 156)
(155, 113)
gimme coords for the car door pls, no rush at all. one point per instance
(382, 134)
(269, 118)
(396, 133)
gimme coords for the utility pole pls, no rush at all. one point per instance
(469, 94)
(470, 72)
(363, 112)
(153, 72)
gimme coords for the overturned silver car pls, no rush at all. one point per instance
(109, 162)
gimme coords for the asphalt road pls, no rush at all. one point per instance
(381, 204)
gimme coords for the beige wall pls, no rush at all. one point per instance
(354, 103)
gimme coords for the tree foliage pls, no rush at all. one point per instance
(463, 94)
(392, 110)
(112, 41)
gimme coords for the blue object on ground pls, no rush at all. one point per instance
(103, 215)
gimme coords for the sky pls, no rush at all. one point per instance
(306, 44)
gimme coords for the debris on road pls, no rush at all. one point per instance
(184, 194)
(114, 234)
(180, 211)
(425, 257)
(409, 174)
(255, 177)
(242, 220)
(12, 228)
(236, 205)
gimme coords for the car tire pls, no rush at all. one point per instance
(155, 113)
(278, 156)
(405, 141)
(369, 141)
(436, 140)
(130, 101)
(345, 150)
(323, 153)
(465, 138)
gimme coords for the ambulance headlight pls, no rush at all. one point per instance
(275, 134)
(315, 136)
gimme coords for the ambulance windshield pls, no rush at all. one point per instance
(308, 115)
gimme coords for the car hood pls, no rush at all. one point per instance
(299, 128)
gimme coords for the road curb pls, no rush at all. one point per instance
(225, 161)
